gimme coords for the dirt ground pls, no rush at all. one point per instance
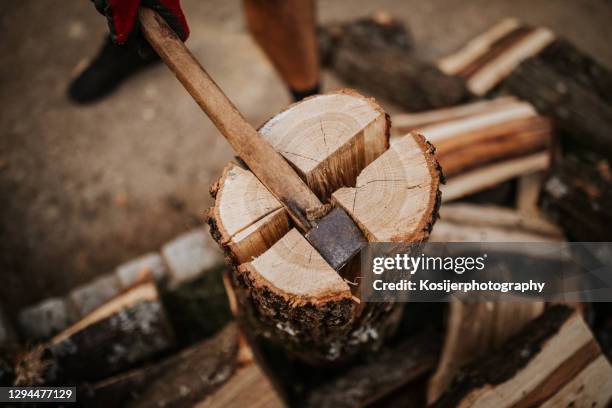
(84, 188)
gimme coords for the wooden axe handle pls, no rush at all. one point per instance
(265, 162)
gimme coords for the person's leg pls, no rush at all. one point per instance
(285, 30)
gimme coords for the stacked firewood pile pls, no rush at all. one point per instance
(519, 121)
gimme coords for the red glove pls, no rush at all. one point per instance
(122, 16)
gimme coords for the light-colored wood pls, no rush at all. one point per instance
(473, 330)
(477, 47)
(248, 387)
(591, 388)
(485, 216)
(488, 176)
(329, 138)
(295, 271)
(405, 122)
(495, 71)
(528, 193)
(248, 218)
(561, 358)
(396, 196)
(265, 162)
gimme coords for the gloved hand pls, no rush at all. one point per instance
(122, 16)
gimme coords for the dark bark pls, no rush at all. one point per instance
(373, 56)
(386, 373)
(180, 380)
(573, 89)
(112, 344)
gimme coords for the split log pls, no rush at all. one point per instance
(373, 54)
(287, 293)
(554, 361)
(122, 332)
(470, 136)
(181, 379)
(489, 176)
(475, 329)
(486, 60)
(486, 223)
(528, 194)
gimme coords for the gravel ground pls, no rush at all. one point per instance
(85, 188)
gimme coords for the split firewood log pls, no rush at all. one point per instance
(122, 332)
(476, 328)
(375, 54)
(473, 135)
(338, 143)
(487, 59)
(181, 379)
(554, 361)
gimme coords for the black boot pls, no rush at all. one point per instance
(112, 65)
(299, 95)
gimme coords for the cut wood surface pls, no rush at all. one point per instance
(329, 138)
(472, 135)
(373, 54)
(285, 289)
(395, 197)
(486, 60)
(554, 359)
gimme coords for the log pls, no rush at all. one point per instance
(488, 59)
(122, 332)
(373, 54)
(476, 329)
(286, 292)
(554, 361)
(473, 135)
(573, 89)
(397, 366)
(179, 380)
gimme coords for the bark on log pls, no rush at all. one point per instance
(571, 88)
(122, 332)
(287, 292)
(577, 194)
(476, 329)
(554, 361)
(180, 380)
(392, 369)
(371, 54)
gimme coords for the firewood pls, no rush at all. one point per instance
(493, 174)
(573, 89)
(528, 194)
(486, 60)
(183, 378)
(393, 368)
(374, 54)
(554, 361)
(475, 329)
(487, 223)
(122, 332)
(470, 136)
(285, 290)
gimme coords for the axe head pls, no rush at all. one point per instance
(336, 237)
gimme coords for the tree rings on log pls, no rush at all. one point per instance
(339, 144)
